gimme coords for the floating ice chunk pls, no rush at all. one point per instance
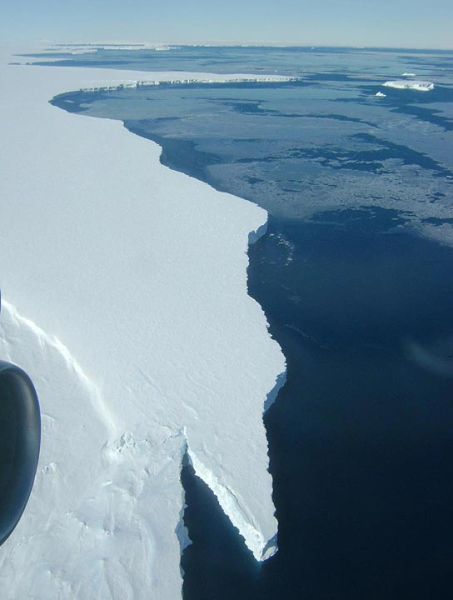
(408, 75)
(381, 95)
(404, 84)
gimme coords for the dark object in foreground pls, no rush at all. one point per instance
(20, 435)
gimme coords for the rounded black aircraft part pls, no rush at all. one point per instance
(20, 436)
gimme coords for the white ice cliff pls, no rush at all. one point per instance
(126, 301)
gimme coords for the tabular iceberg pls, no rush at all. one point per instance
(126, 301)
(410, 84)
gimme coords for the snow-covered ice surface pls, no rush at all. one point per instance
(410, 84)
(126, 301)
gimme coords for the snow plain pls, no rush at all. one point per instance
(125, 299)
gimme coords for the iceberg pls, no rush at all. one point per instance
(125, 287)
(198, 79)
(380, 95)
(84, 48)
(405, 84)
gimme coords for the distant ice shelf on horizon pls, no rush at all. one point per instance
(90, 48)
(195, 80)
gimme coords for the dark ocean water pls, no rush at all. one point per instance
(355, 275)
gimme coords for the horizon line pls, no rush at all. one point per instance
(235, 44)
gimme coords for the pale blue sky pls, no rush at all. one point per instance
(408, 23)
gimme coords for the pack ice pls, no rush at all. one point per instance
(126, 301)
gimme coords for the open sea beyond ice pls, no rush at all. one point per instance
(355, 275)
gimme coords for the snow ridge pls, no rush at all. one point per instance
(53, 343)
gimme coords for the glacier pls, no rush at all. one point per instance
(125, 299)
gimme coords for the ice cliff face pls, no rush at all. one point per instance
(126, 302)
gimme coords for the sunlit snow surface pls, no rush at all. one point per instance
(126, 302)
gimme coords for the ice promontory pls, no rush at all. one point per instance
(125, 288)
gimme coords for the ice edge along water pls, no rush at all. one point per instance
(120, 410)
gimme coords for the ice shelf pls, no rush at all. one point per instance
(126, 301)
